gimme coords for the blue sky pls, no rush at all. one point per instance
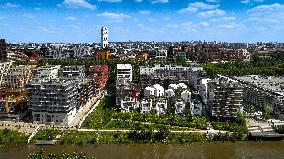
(142, 20)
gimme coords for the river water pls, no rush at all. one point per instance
(208, 150)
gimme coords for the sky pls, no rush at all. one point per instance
(79, 21)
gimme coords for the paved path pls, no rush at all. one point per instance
(211, 131)
(84, 110)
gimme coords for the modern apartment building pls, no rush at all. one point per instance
(46, 73)
(53, 101)
(163, 75)
(124, 88)
(99, 73)
(87, 90)
(4, 69)
(18, 76)
(194, 75)
(264, 91)
(72, 72)
(225, 97)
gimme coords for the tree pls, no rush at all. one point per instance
(266, 113)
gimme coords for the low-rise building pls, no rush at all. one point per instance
(179, 107)
(161, 106)
(169, 94)
(161, 55)
(102, 55)
(146, 106)
(128, 104)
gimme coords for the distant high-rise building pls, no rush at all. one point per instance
(3, 53)
(104, 37)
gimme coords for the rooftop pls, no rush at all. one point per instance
(273, 83)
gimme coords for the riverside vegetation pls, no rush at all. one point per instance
(143, 129)
(10, 137)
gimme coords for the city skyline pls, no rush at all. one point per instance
(79, 21)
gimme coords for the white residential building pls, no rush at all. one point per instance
(149, 91)
(124, 72)
(196, 108)
(146, 106)
(124, 85)
(169, 93)
(186, 96)
(161, 55)
(173, 86)
(46, 73)
(128, 104)
(182, 86)
(161, 106)
(195, 75)
(159, 90)
(179, 107)
(203, 89)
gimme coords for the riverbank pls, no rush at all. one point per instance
(207, 150)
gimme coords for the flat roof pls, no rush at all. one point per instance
(273, 83)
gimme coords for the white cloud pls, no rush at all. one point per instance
(213, 1)
(248, 1)
(211, 13)
(114, 16)
(138, 1)
(194, 7)
(159, 1)
(28, 15)
(189, 9)
(172, 26)
(71, 18)
(265, 9)
(231, 26)
(263, 20)
(10, 5)
(205, 24)
(245, 1)
(77, 4)
(186, 26)
(145, 12)
(228, 18)
(49, 29)
(110, 1)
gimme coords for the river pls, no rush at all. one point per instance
(207, 150)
